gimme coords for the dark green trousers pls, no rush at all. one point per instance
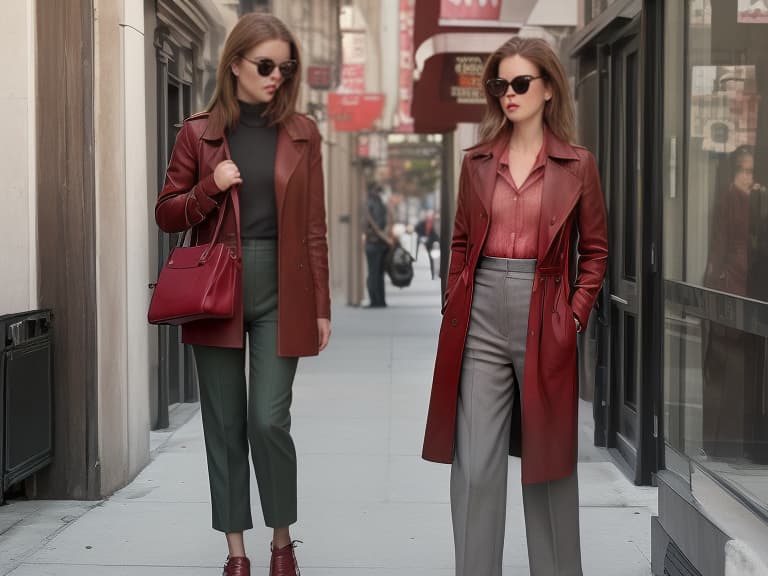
(236, 413)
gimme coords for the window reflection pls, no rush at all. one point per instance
(737, 226)
(716, 247)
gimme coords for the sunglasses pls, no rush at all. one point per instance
(265, 66)
(497, 87)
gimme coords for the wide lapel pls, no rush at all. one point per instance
(560, 192)
(485, 162)
(290, 147)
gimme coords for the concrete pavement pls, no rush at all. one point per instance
(369, 506)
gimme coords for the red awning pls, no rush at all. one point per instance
(452, 41)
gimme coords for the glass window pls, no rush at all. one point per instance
(716, 241)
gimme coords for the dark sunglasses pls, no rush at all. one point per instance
(265, 66)
(497, 87)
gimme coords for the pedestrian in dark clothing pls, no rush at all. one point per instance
(378, 241)
(426, 231)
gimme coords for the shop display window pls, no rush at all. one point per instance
(716, 240)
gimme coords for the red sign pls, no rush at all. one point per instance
(433, 108)
(354, 112)
(462, 80)
(353, 78)
(470, 9)
(404, 118)
(363, 146)
(353, 55)
(319, 77)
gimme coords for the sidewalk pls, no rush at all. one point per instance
(369, 506)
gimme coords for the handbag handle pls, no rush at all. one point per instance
(214, 238)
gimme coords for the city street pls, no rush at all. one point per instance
(369, 505)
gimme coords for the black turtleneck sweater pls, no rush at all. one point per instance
(253, 144)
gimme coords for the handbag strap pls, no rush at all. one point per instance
(217, 230)
(215, 237)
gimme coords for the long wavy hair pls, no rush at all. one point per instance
(558, 111)
(251, 30)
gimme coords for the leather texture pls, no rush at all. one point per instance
(238, 566)
(283, 561)
(190, 197)
(545, 435)
(196, 282)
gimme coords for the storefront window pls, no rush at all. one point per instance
(716, 240)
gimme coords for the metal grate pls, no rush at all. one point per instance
(26, 396)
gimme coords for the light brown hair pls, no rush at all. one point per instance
(558, 111)
(251, 30)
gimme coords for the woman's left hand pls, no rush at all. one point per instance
(324, 332)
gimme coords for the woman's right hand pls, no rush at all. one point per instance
(226, 175)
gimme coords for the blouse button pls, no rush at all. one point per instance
(552, 222)
(454, 322)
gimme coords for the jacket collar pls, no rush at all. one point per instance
(294, 129)
(553, 147)
(292, 136)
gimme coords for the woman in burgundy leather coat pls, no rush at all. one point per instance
(505, 379)
(253, 150)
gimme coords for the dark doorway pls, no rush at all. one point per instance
(176, 381)
(623, 268)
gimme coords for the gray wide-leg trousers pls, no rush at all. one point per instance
(494, 361)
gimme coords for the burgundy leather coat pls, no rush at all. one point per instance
(190, 197)
(544, 431)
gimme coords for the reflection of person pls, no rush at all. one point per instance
(426, 231)
(245, 144)
(730, 355)
(378, 241)
(727, 263)
(507, 345)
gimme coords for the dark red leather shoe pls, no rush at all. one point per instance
(237, 566)
(284, 561)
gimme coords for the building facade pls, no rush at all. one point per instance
(93, 94)
(673, 98)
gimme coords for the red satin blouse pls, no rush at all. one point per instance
(515, 211)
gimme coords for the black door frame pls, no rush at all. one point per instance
(177, 381)
(624, 283)
(648, 27)
(651, 448)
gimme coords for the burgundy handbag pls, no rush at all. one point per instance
(197, 282)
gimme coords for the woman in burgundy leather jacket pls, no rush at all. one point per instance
(252, 146)
(505, 379)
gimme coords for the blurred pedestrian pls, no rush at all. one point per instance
(378, 242)
(252, 146)
(505, 373)
(426, 232)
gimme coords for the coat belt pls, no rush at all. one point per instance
(543, 272)
(550, 271)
